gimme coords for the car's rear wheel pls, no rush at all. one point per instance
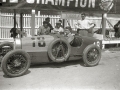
(15, 63)
(5, 47)
(91, 55)
(59, 50)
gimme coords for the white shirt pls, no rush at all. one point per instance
(58, 30)
(43, 30)
(84, 24)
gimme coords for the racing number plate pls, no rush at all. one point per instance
(40, 42)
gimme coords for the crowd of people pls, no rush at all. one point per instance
(47, 28)
(84, 27)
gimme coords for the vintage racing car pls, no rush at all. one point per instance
(47, 49)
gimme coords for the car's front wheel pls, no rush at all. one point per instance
(91, 55)
(15, 63)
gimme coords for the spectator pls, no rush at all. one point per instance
(61, 23)
(48, 20)
(58, 29)
(44, 29)
(117, 29)
(84, 26)
(13, 32)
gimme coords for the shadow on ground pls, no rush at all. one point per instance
(5, 76)
(58, 65)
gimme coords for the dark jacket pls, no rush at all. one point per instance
(13, 32)
(51, 28)
(117, 29)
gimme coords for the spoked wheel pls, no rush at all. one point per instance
(59, 50)
(5, 48)
(15, 63)
(91, 55)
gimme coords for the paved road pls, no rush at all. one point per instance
(69, 76)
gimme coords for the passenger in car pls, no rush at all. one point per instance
(68, 34)
(44, 29)
(58, 29)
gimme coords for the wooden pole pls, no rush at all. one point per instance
(0, 26)
(21, 24)
(14, 26)
(104, 17)
(14, 18)
(38, 22)
(33, 23)
(63, 23)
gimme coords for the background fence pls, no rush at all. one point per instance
(7, 22)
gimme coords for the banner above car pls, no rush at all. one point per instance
(62, 5)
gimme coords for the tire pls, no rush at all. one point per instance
(91, 55)
(59, 50)
(6, 50)
(15, 63)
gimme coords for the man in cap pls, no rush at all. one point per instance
(58, 29)
(48, 20)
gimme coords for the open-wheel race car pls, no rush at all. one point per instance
(17, 57)
(48, 49)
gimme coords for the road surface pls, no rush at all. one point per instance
(69, 76)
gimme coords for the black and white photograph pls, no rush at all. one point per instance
(59, 45)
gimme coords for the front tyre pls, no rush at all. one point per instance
(91, 55)
(16, 63)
